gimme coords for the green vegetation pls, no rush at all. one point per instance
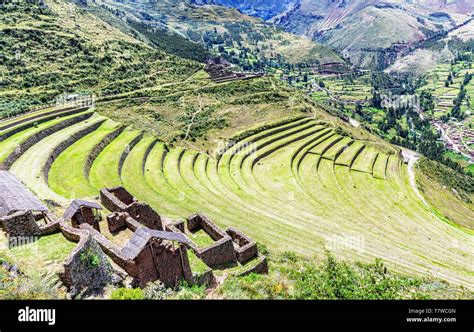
(243, 40)
(274, 161)
(53, 50)
(447, 191)
(201, 238)
(31, 287)
(90, 258)
(315, 169)
(294, 277)
(37, 278)
(77, 184)
(157, 291)
(127, 294)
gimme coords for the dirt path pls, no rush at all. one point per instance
(411, 157)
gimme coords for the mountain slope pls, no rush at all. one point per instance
(64, 48)
(265, 9)
(223, 30)
(361, 28)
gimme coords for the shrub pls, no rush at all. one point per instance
(255, 287)
(91, 258)
(127, 294)
(190, 292)
(32, 287)
(338, 280)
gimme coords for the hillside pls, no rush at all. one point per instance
(308, 183)
(64, 48)
(360, 29)
(265, 9)
(286, 167)
(223, 30)
(442, 49)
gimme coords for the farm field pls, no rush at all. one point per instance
(296, 184)
(447, 83)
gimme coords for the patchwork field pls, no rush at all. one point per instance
(293, 185)
(445, 94)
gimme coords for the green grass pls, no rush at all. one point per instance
(104, 171)
(201, 238)
(197, 265)
(294, 277)
(365, 160)
(272, 189)
(11, 143)
(73, 161)
(30, 166)
(49, 253)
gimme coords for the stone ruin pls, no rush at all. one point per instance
(83, 212)
(120, 200)
(149, 255)
(27, 224)
(245, 248)
(87, 267)
(229, 247)
(220, 71)
(221, 252)
(156, 250)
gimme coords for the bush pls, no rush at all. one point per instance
(157, 291)
(127, 294)
(190, 292)
(32, 287)
(295, 277)
(255, 287)
(339, 281)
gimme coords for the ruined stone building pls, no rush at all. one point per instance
(80, 212)
(156, 248)
(21, 213)
(120, 200)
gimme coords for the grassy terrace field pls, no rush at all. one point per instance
(294, 185)
(445, 94)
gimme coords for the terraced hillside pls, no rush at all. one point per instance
(50, 48)
(444, 93)
(297, 184)
(223, 28)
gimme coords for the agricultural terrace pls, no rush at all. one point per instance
(444, 83)
(295, 184)
(334, 89)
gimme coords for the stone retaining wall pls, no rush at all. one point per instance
(126, 152)
(67, 143)
(98, 148)
(147, 153)
(41, 118)
(31, 141)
